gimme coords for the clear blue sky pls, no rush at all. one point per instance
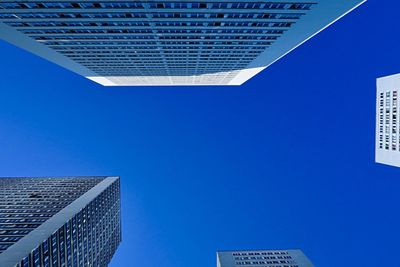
(284, 161)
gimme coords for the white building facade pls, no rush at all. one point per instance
(263, 258)
(387, 147)
(166, 42)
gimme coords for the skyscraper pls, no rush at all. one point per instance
(387, 146)
(263, 258)
(71, 221)
(166, 42)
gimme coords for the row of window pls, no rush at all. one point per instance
(30, 205)
(18, 226)
(145, 58)
(263, 257)
(23, 220)
(160, 43)
(149, 15)
(147, 31)
(171, 61)
(98, 29)
(157, 53)
(25, 215)
(252, 263)
(172, 65)
(162, 70)
(142, 78)
(9, 239)
(260, 253)
(127, 60)
(196, 48)
(97, 26)
(68, 39)
(155, 5)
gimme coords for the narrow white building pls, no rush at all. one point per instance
(387, 147)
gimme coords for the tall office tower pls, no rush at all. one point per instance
(166, 42)
(387, 147)
(49, 222)
(263, 258)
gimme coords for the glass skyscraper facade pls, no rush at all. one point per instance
(165, 42)
(263, 258)
(69, 221)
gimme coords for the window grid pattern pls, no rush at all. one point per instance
(25, 203)
(264, 259)
(169, 38)
(388, 123)
(90, 238)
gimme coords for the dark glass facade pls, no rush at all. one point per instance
(87, 237)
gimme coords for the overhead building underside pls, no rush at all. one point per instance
(165, 42)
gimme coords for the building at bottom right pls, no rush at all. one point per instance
(387, 135)
(263, 258)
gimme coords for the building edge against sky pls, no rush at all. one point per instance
(267, 258)
(323, 13)
(71, 234)
(387, 130)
